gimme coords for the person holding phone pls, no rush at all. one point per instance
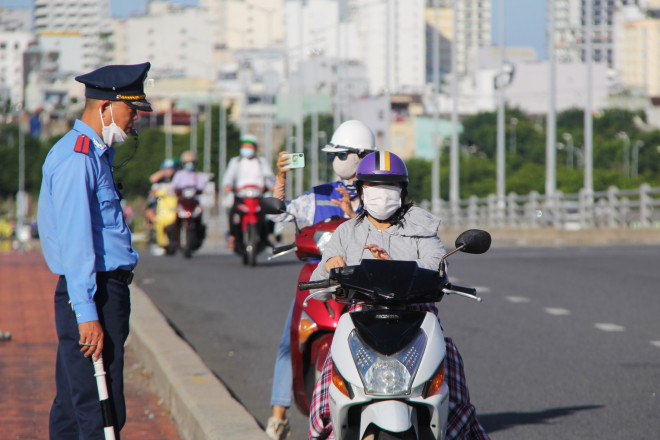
(352, 141)
(245, 170)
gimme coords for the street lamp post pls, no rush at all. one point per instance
(514, 124)
(435, 170)
(499, 85)
(626, 152)
(570, 149)
(635, 158)
(21, 205)
(193, 128)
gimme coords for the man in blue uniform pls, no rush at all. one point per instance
(86, 241)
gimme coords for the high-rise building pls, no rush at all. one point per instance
(80, 30)
(440, 22)
(177, 40)
(473, 31)
(571, 28)
(640, 55)
(388, 37)
(245, 24)
(13, 46)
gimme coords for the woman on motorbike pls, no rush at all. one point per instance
(390, 227)
(352, 141)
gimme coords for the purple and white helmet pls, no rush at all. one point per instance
(382, 166)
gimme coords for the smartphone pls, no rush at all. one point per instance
(297, 160)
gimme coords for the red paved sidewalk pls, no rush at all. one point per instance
(27, 361)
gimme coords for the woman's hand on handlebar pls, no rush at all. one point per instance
(333, 262)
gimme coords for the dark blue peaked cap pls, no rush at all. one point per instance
(118, 83)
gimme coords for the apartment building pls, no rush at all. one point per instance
(80, 30)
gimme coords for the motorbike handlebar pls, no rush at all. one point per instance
(469, 290)
(307, 285)
(280, 249)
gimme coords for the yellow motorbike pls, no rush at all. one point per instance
(165, 219)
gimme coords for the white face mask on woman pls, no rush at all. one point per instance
(381, 201)
(112, 133)
(347, 168)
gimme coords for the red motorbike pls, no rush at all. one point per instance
(253, 235)
(188, 231)
(312, 325)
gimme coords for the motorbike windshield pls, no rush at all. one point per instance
(388, 281)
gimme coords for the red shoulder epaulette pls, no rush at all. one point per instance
(82, 144)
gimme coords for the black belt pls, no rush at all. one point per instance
(125, 276)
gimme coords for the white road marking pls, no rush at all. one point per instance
(609, 327)
(517, 299)
(557, 311)
(656, 343)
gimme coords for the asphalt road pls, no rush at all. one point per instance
(566, 343)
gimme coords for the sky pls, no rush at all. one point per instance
(524, 19)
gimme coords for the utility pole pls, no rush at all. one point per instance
(207, 139)
(193, 128)
(551, 126)
(435, 173)
(168, 133)
(388, 72)
(21, 197)
(499, 81)
(588, 119)
(453, 149)
(300, 146)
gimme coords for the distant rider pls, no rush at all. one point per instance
(161, 181)
(247, 170)
(188, 177)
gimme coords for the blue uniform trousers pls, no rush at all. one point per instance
(76, 410)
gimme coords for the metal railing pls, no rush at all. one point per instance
(614, 208)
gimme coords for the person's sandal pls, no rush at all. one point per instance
(278, 429)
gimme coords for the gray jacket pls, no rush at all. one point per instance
(416, 239)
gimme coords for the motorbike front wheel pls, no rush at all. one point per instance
(188, 239)
(251, 246)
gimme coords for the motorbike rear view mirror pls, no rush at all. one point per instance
(473, 241)
(272, 205)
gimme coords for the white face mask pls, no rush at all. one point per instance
(112, 134)
(381, 201)
(346, 169)
(247, 152)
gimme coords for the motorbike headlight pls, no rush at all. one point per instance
(387, 375)
(322, 238)
(189, 193)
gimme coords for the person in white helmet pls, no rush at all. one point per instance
(352, 141)
(248, 169)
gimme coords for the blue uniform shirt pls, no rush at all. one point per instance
(81, 224)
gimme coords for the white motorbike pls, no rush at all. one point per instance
(388, 375)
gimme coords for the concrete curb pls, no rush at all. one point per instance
(200, 405)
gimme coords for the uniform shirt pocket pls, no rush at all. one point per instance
(109, 207)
